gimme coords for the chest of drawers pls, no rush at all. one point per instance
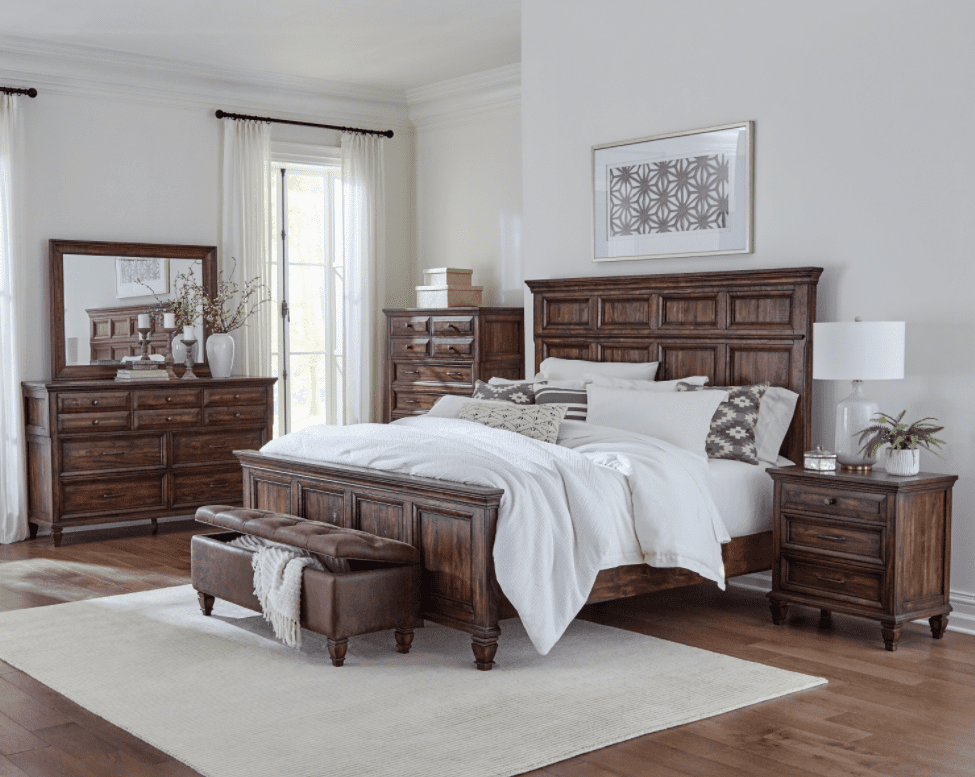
(106, 451)
(437, 351)
(873, 545)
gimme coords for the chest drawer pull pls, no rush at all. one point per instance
(94, 401)
(838, 580)
(111, 496)
(829, 500)
(455, 373)
(411, 401)
(95, 422)
(111, 453)
(412, 372)
(832, 537)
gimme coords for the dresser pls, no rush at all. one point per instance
(435, 351)
(101, 451)
(873, 545)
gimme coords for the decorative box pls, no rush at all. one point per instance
(448, 296)
(448, 276)
(820, 460)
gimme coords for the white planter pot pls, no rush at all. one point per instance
(220, 354)
(904, 462)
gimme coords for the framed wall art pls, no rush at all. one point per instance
(682, 194)
(138, 277)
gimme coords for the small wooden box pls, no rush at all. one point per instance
(447, 276)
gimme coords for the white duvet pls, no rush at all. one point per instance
(564, 507)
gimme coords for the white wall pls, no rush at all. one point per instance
(864, 166)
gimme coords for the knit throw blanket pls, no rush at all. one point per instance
(277, 583)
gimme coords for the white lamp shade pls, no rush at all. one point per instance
(858, 350)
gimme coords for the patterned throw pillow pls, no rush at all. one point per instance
(539, 423)
(576, 399)
(732, 434)
(519, 393)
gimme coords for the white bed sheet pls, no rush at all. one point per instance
(743, 494)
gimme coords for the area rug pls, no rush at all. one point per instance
(221, 695)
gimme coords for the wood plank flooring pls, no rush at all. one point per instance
(909, 713)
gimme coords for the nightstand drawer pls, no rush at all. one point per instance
(833, 579)
(863, 505)
(857, 541)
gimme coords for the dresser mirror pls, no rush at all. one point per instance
(98, 290)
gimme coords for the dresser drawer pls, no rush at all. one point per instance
(409, 325)
(228, 397)
(94, 402)
(863, 505)
(856, 540)
(208, 487)
(408, 401)
(833, 579)
(194, 448)
(409, 348)
(453, 348)
(94, 422)
(433, 373)
(120, 494)
(452, 325)
(149, 400)
(167, 419)
(226, 416)
(106, 453)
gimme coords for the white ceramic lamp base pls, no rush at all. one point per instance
(853, 415)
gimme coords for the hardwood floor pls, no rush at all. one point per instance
(909, 713)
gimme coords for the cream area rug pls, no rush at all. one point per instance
(223, 696)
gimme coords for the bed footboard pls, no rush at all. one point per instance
(452, 524)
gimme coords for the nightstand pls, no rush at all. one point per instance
(873, 545)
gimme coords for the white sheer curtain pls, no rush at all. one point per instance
(245, 235)
(13, 478)
(364, 240)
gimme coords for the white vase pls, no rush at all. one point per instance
(220, 354)
(904, 462)
(179, 350)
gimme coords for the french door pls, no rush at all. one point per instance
(307, 288)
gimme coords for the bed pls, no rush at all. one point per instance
(738, 328)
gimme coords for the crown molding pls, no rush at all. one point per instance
(83, 70)
(495, 92)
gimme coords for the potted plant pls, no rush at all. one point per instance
(905, 441)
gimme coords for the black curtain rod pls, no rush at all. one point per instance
(225, 115)
(32, 92)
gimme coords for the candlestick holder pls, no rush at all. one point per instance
(189, 359)
(144, 338)
(169, 361)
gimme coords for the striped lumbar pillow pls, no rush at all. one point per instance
(570, 393)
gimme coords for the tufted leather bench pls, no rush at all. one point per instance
(380, 590)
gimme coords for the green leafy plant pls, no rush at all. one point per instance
(899, 436)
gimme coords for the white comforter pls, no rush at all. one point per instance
(562, 504)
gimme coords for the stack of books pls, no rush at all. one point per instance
(142, 371)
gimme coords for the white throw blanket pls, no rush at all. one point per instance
(554, 520)
(277, 583)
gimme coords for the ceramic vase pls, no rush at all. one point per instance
(904, 462)
(220, 354)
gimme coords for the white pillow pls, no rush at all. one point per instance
(574, 369)
(665, 415)
(774, 416)
(644, 385)
(509, 382)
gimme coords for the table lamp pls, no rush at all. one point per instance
(857, 351)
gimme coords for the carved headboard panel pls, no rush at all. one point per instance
(737, 328)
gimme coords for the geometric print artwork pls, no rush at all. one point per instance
(732, 434)
(675, 195)
(540, 422)
(519, 393)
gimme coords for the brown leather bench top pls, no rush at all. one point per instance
(313, 536)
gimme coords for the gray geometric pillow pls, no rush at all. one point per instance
(519, 393)
(575, 399)
(732, 434)
(540, 422)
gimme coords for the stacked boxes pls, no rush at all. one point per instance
(448, 287)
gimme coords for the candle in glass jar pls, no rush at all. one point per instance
(189, 332)
(169, 320)
(143, 321)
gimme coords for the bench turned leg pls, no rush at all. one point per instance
(206, 602)
(484, 649)
(336, 649)
(404, 640)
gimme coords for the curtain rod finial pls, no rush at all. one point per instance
(32, 92)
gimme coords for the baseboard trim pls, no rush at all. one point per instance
(962, 619)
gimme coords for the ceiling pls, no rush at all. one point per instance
(391, 44)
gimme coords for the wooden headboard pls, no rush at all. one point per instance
(737, 328)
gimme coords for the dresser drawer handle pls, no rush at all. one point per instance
(169, 399)
(452, 348)
(111, 496)
(454, 373)
(169, 418)
(829, 500)
(94, 401)
(221, 485)
(236, 415)
(412, 401)
(216, 446)
(409, 372)
(453, 326)
(95, 422)
(409, 348)
(111, 453)
(236, 396)
(831, 537)
(838, 580)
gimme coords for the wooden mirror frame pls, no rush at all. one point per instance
(57, 249)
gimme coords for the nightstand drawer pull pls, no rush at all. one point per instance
(410, 372)
(832, 537)
(411, 401)
(455, 373)
(839, 581)
(111, 453)
(111, 496)
(829, 500)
